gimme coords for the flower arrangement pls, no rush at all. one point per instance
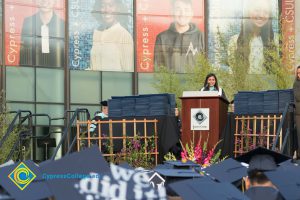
(198, 154)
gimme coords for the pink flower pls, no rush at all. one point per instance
(198, 154)
(184, 156)
(208, 157)
(136, 144)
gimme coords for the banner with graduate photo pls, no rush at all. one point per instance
(297, 31)
(34, 32)
(289, 34)
(1, 50)
(241, 27)
(158, 42)
(100, 35)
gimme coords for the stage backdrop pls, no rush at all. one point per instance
(19, 11)
(153, 17)
(112, 47)
(227, 18)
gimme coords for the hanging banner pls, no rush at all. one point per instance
(1, 32)
(297, 31)
(32, 36)
(288, 33)
(244, 27)
(159, 40)
(100, 35)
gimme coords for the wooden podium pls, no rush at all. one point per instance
(218, 107)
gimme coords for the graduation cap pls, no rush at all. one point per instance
(24, 181)
(228, 170)
(206, 190)
(5, 196)
(262, 159)
(103, 103)
(71, 168)
(178, 173)
(126, 165)
(171, 175)
(182, 165)
(10, 162)
(287, 179)
(163, 166)
(119, 183)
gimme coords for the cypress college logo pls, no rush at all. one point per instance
(22, 176)
(200, 119)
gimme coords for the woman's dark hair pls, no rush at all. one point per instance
(206, 86)
(243, 42)
(258, 177)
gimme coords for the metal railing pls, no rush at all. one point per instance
(14, 123)
(75, 116)
(287, 134)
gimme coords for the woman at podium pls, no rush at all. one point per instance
(211, 84)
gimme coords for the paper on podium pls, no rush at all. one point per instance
(200, 93)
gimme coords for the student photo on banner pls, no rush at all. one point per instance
(249, 26)
(112, 48)
(35, 32)
(297, 30)
(101, 35)
(171, 35)
(1, 50)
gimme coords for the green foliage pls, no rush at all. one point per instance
(167, 81)
(233, 78)
(5, 119)
(169, 157)
(216, 157)
(24, 150)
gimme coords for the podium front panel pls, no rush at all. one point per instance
(217, 119)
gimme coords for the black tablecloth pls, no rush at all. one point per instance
(227, 137)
